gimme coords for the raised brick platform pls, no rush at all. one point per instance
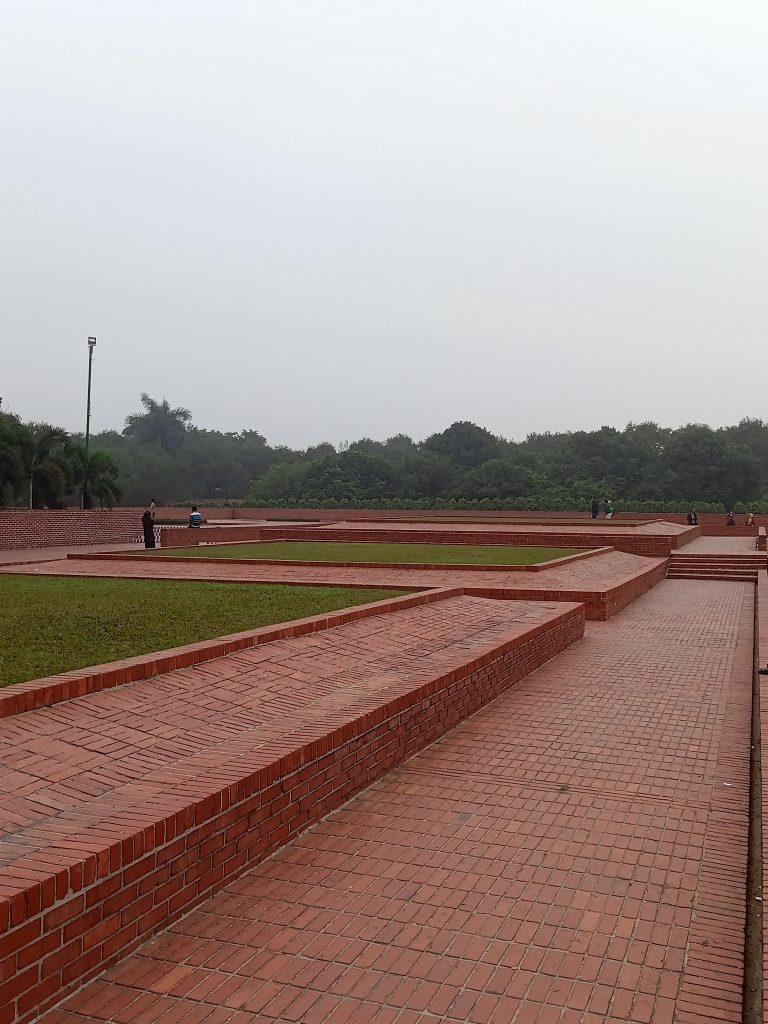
(124, 809)
(605, 583)
(652, 539)
(573, 854)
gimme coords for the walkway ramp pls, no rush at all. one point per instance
(573, 853)
(123, 809)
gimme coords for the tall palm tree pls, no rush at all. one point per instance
(158, 424)
(44, 459)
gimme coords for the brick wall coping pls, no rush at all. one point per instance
(18, 698)
(86, 901)
(112, 556)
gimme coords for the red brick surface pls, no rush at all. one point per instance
(605, 583)
(653, 538)
(573, 853)
(22, 528)
(124, 809)
(37, 693)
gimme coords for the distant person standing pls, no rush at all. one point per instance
(729, 520)
(608, 508)
(148, 526)
(594, 508)
(195, 519)
(153, 507)
(692, 518)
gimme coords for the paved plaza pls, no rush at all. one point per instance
(573, 851)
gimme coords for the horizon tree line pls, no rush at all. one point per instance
(161, 454)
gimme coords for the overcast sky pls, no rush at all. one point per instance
(345, 218)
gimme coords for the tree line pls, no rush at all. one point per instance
(42, 466)
(161, 454)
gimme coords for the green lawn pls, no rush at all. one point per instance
(333, 551)
(53, 624)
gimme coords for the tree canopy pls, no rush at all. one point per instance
(161, 454)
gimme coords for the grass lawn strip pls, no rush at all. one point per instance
(50, 625)
(333, 551)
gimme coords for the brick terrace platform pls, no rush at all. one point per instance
(574, 853)
(654, 539)
(123, 809)
(605, 583)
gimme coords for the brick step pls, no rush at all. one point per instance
(748, 559)
(195, 776)
(717, 566)
(677, 574)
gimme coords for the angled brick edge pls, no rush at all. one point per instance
(72, 912)
(37, 693)
(119, 556)
(600, 605)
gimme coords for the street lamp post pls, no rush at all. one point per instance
(91, 347)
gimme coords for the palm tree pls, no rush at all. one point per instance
(43, 455)
(158, 424)
(98, 473)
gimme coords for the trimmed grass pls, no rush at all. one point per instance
(50, 624)
(335, 551)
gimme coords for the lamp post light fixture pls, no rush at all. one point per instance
(91, 347)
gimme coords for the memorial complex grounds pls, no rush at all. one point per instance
(395, 770)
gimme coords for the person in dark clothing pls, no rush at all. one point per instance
(148, 525)
(730, 521)
(692, 518)
(595, 508)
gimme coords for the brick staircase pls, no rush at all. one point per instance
(724, 566)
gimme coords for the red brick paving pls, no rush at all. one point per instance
(720, 545)
(573, 853)
(134, 809)
(76, 763)
(586, 580)
(598, 527)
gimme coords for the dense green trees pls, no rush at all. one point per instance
(642, 466)
(44, 466)
(162, 455)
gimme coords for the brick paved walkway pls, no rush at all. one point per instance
(73, 766)
(719, 545)
(570, 582)
(575, 853)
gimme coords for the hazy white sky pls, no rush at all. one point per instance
(343, 218)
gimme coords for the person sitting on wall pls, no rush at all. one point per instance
(195, 519)
(730, 521)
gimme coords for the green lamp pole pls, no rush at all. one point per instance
(91, 347)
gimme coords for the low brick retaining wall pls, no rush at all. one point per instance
(634, 544)
(69, 913)
(655, 545)
(32, 528)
